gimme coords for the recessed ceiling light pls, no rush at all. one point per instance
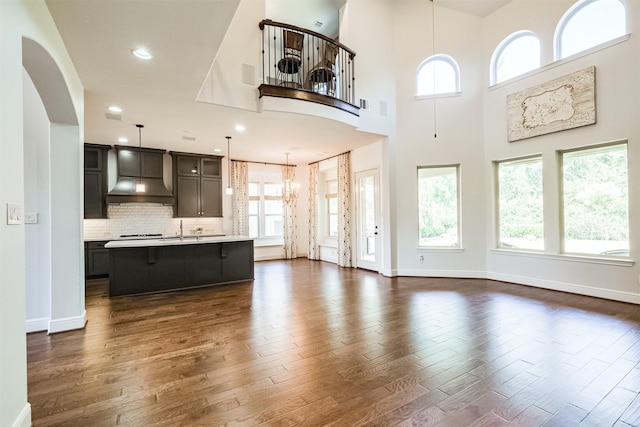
(142, 53)
(240, 128)
(217, 150)
(123, 139)
(115, 109)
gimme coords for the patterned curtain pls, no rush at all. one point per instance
(289, 207)
(314, 246)
(240, 198)
(344, 215)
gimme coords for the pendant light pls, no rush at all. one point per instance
(140, 186)
(229, 190)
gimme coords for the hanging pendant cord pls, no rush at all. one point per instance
(433, 52)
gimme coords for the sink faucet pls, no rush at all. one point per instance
(181, 235)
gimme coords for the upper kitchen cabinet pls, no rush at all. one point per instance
(129, 162)
(197, 183)
(95, 180)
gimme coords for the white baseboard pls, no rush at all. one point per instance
(463, 274)
(37, 325)
(24, 419)
(567, 287)
(67, 323)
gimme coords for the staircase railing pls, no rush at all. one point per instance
(302, 64)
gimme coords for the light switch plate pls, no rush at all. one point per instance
(30, 218)
(13, 214)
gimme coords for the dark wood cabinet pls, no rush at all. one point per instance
(197, 183)
(96, 258)
(95, 180)
(129, 162)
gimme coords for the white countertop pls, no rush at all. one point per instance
(172, 241)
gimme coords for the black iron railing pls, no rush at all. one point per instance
(302, 64)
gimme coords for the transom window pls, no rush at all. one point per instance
(438, 206)
(595, 201)
(589, 23)
(438, 74)
(515, 55)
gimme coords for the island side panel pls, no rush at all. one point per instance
(147, 269)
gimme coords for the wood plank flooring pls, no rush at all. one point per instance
(309, 343)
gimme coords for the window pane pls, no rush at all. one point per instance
(254, 228)
(254, 207)
(333, 205)
(521, 221)
(254, 189)
(272, 225)
(272, 189)
(332, 187)
(595, 201)
(273, 207)
(438, 206)
(592, 23)
(518, 56)
(333, 225)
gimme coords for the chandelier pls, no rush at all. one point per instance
(289, 188)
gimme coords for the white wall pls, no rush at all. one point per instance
(36, 189)
(617, 89)
(459, 136)
(31, 19)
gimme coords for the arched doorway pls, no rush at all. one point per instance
(53, 171)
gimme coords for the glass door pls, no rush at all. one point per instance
(368, 220)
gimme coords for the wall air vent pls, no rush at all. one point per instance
(248, 74)
(364, 104)
(383, 108)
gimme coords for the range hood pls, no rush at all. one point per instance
(140, 165)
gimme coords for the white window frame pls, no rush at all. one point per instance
(499, 243)
(458, 243)
(262, 215)
(504, 44)
(328, 197)
(568, 16)
(560, 155)
(433, 59)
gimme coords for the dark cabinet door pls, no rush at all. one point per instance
(188, 196)
(129, 163)
(94, 206)
(95, 180)
(152, 165)
(96, 259)
(237, 260)
(210, 197)
(210, 167)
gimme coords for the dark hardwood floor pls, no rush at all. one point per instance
(309, 343)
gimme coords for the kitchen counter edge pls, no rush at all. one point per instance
(173, 241)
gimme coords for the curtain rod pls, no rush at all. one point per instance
(261, 163)
(331, 157)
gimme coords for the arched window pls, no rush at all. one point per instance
(515, 55)
(589, 23)
(438, 74)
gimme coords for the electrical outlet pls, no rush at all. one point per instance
(30, 218)
(421, 259)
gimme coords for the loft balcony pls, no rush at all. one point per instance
(305, 65)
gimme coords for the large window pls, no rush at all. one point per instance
(438, 206)
(589, 23)
(520, 213)
(332, 206)
(438, 74)
(515, 55)
(265, 209)
(595, 200)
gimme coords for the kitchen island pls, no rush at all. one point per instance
(158, 265)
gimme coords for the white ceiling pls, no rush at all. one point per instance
(184, 37)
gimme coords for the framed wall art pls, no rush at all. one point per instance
(564, 103)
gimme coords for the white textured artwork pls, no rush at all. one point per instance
(564, 103)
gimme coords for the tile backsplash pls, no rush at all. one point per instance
(146, 218)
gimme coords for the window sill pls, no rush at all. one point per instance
(264, 242)
(438, 95)
(587, 259)
(441, 249)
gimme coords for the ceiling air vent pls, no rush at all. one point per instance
(188, 138)
(113, 116)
